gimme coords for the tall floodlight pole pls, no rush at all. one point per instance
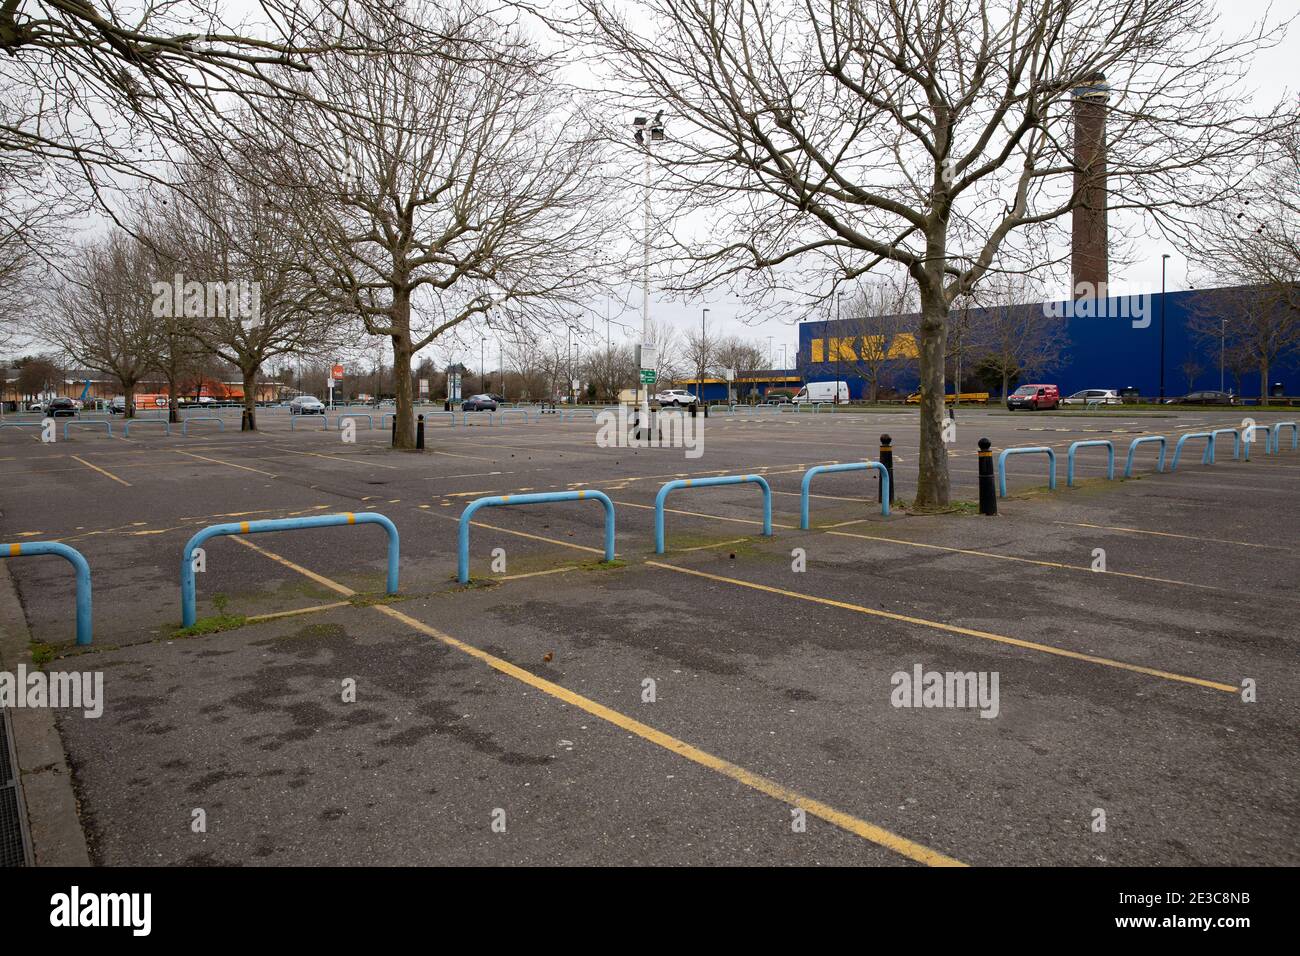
(646, 131)
(699, 385)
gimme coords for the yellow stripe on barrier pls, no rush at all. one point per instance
(505, 498)
(352, 519)
(581, 494)
(15, 550)
(243, 527)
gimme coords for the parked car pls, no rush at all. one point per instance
(779, 398)
(61, 408)
(479, 403)
(1094, 396)
(675, 397)
(499, 399)
(1207, 397)
(118, 406)
(36, 406)
(814, 392)
(1034, 397)
(306, 405)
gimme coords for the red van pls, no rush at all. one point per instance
(1035, 397)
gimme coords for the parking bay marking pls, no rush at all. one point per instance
(953, 629)
(1017, 558)
(771, 788)
(1171, 534)
(230, 464)
(104, 472)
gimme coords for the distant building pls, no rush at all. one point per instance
(1120, 348)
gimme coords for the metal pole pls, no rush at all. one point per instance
(646, 332)
(699, 385)
(1223, 331)
(1163, 259)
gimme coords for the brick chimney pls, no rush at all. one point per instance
(1089, 248)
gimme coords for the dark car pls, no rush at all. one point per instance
(1208, 397)
(61, 408)
(479, 403)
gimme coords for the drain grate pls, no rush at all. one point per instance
(13, 828)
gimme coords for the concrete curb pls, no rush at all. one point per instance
(44, 774)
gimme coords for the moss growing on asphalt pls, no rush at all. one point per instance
(212, 625)
(42, 653)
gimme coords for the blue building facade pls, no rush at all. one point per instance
(1116, 344)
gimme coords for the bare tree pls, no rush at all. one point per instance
(38, 375)
(102, 86)
(831, 136)
(733, 352)
(448, 186)
(1256, 325)
(102, 316)
(699, 354)
(1251, 241)
(219, 230)
(610, 370)
(1015, 337)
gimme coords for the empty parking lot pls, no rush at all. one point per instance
(732, 700)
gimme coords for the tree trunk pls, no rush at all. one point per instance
(128, 396)
(1263, 381)
(932, 486)
(173, 397)
(248, 421)
(402, 392)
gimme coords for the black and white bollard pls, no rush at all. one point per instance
(988, 488)
(887, 459)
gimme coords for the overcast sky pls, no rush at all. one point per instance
(1273, 75)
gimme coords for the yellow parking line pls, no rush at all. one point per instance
(1170, 534)
(698, 514)
(302, 610)
(350, 461)
(1012, 557)
(231, 464)
(953, 629)
(106, 474)
(521, 534)
(867, 831)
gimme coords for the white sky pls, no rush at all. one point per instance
(1273, 75)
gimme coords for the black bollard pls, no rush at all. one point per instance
(419, 434)
(887, 459)
(393, 441)
(446, 406)
(988, 489)
(706, 411)
(695, 409)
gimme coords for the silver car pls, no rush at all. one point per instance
(306, 405)
(1094, 396)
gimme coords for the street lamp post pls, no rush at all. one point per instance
(646, 131)
(1223, 334)
(1163, 259)
(699, 382)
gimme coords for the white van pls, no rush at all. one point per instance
(814, 392)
